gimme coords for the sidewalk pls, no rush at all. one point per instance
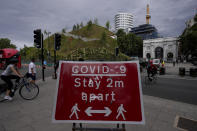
(173, 71)
(36, 115)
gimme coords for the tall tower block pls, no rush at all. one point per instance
(147, 15)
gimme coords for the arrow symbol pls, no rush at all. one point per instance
(89, 111)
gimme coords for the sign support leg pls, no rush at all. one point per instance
(123, 127)
(80, 128)
(80, 124)
(117, 125)
(73, 129)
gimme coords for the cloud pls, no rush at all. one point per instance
(19, 18)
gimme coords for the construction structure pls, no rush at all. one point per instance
(147, 14)
(146, 31)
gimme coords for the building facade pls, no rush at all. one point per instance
(146, 31)
(123, 21)
(161, 48)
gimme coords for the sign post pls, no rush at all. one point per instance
(99, 92)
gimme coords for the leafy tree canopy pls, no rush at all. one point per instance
(188, 41)
(129, 44)
(5, 43)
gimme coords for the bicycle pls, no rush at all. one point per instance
(27, 90)
(151, 80)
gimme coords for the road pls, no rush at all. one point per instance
(176, 89)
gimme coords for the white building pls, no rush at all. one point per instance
(161, 48)
(123, 21)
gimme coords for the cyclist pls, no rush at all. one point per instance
(151, 70)
(7, 76)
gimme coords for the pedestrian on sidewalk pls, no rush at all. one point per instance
(32, 70)
(174, 62)
(163, 63)
(177, 61)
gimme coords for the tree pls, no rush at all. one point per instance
(74, 27)
(64, 30)
(129, 44)
(47, 34)
(78, 27)
(103, 38)
(96, 21)
(5, 43)
(89, 25)
(81, 25)
(107, 25)
(188, 41)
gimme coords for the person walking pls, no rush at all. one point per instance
(7, 76)
(32, 70)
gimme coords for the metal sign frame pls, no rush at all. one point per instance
(100, 121)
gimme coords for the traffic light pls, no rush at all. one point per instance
(117, 51)
(57, 41)
(37, 38)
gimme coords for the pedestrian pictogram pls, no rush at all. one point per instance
(99, 92)
(121, 111)
(74, 110)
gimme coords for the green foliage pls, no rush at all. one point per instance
(129, 44)
(74, 27)
(89, 25)
(107, 25)
(95, 54)
(30, 52)
(5, 43)
(78, 26)
(73, 49)
(63, 30)
(188, 41)
(103, 38)
(95, 31)
(81, 25)
(195, 18)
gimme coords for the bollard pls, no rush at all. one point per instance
(193, 72)
(182, 71)
(162, 71)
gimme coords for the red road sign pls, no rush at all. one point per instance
(99, 92)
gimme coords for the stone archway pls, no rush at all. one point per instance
(159, 53)
(170, 56)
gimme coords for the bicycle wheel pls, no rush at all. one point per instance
(147, 82)
(29, 91)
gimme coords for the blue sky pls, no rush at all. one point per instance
(18, 18)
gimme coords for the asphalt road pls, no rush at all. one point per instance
(176, 89)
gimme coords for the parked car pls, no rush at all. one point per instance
(156, 62)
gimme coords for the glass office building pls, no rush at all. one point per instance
(146, 31)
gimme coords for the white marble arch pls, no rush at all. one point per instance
(168, 44)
